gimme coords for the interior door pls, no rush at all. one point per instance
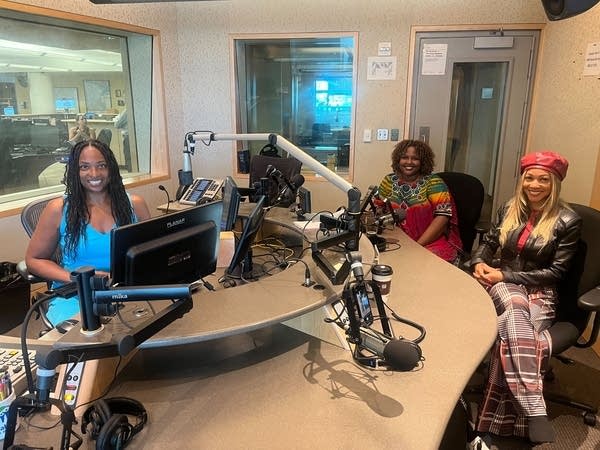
(470, 101)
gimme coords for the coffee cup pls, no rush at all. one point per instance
(382, 275)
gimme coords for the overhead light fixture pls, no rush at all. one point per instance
(117, 2)
(22, 66)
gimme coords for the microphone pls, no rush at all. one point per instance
(290, 190)
(164, 189)
(273, 171)
(293, 184)
(185, 173)
(398, 354)
(393, 217)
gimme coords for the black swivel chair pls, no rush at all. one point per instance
(105, 136)
(30, 216)
(468, 194)
(579, 305)
(258, 169)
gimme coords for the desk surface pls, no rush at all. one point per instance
(269, 386)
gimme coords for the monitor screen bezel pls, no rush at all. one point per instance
(126, 236)
(243, 245)
(181, 257)
(231, 198)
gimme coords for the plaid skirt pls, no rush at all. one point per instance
(514, 387)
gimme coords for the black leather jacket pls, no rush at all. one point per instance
(537, 264)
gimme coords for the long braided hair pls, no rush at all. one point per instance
(76, 204)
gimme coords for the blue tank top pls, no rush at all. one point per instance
(93, 249)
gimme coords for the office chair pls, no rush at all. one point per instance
(258, 169)
(105, 136)
(468, 194)
(320, 133)
(579, 305)
(30, 216)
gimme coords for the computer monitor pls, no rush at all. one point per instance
(231, 203)
(174, 248)
(21, 132)
(304, 203)
(368, 198)
(64, 104)
(241, 263)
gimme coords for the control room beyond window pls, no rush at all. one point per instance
(52, 72)
(301, 88)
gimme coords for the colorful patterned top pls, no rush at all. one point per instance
(423, 200)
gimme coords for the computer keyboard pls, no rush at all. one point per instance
(12, 361)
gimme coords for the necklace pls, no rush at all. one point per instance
(408, 193)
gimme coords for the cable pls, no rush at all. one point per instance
(307, 279)
(108, 388)
(190, 134)
(26, 363)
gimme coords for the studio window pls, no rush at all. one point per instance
(301, 88)
(57, 73)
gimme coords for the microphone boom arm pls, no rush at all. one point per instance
(351, 237)
(94, 343)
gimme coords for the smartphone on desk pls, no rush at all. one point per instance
(200, 191)
(362, 304)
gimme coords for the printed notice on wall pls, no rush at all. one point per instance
(434, 59)
(381, 68)
(591, 66)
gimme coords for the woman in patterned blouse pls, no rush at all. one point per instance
(430, 212)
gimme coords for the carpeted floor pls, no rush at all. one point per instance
(579, 381)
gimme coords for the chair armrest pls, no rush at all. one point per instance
(31, 278)
(590, 301)
(481, 228)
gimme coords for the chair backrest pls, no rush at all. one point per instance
(317, 132)
(30, 215)
(583, 276)
(259, 163)
(468, 194)
(105, 136)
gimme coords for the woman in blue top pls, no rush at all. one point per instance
(79, 223)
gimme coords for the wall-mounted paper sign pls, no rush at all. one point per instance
(384, 49)
(487, 93)
(381, 68)
(591, 66)
(434, 59)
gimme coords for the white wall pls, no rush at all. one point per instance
(195, 43)
(566, 112)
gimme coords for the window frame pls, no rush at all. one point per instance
(159, 168)
(236, 112)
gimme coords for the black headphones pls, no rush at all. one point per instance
(110, 426)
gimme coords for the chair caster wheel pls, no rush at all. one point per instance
(589, 419)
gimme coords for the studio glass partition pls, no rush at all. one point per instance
(54, 70)
(301, 87)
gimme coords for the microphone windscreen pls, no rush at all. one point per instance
(400, 214)
(402, 355)
(297, 180)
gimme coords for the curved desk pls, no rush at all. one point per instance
(243, 381)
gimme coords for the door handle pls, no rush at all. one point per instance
(424, 134)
